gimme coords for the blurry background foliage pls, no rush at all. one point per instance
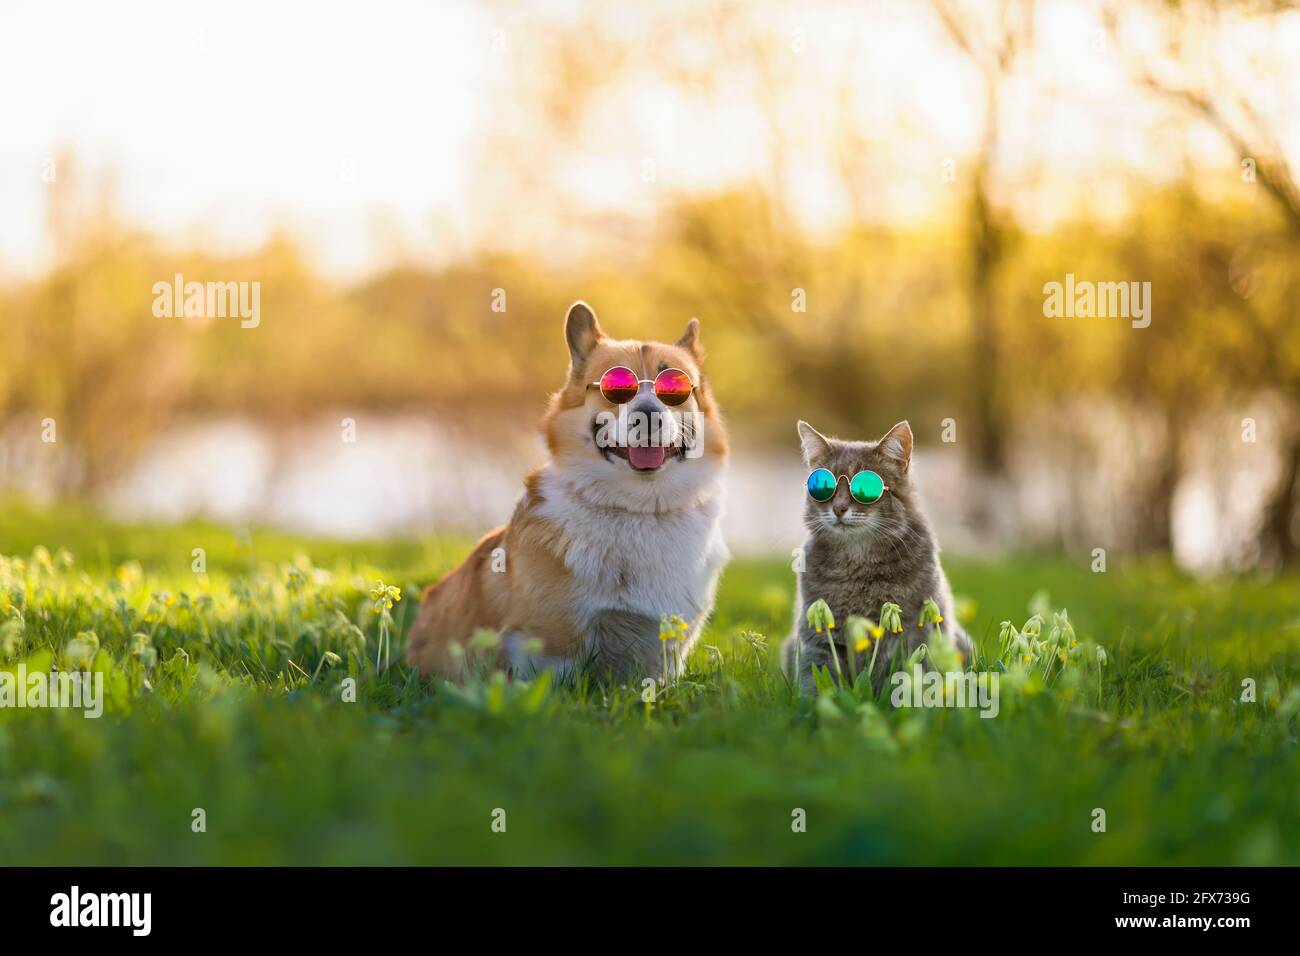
(922, 317)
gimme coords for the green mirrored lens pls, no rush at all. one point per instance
(867, 486)
(821, 485)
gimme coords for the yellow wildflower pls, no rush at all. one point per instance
(385, 596)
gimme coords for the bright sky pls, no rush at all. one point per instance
(362, 126)
(222, 119)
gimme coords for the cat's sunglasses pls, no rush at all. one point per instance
(620, 385)
(866, 487)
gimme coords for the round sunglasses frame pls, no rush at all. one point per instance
(644, 381)
(866, 471)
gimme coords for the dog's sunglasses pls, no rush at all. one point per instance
(620, 385)
(866, 487)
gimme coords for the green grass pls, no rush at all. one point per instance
(227, 704)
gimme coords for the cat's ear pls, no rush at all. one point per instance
(690, 340)
(581, 332)
(815, 446)
(897, 445)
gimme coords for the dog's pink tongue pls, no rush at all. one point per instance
(645, 456)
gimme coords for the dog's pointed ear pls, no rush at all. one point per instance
(690, 339)
(581, 332)
(896, 445)
(815, 446)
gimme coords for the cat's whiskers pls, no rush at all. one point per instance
(897, 534)
(895, 545)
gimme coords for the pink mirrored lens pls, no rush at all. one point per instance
(619, 385)
(672, 386)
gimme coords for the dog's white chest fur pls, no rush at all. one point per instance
(638, 565)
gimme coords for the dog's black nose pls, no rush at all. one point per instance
(649, 419)
(645, 403)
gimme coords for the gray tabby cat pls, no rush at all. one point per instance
(858, 557)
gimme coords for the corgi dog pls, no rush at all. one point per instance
(619, 528)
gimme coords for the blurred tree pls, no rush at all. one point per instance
(1183, 66)
(89, 353)
(992, 44)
